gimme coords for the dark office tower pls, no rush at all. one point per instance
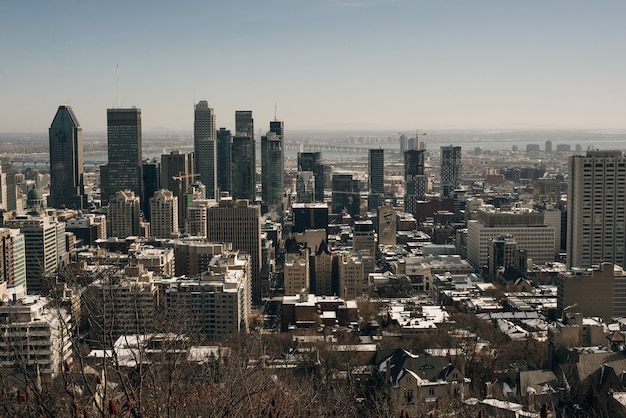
(272, 170)
(205, 147)
(66, 160)
(404, 143)
(151, 173)
(309, 216)
(243, 168)
(376, 164)
(414, 179)
(278, 127)
(124, 151)
(346, 195)
(312, 161)
(244, 124)
(596, 197)
(450, 170)
(224, 140)
(176, 176)
(7, 269)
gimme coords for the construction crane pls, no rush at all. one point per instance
(180, 177)
(417, 138)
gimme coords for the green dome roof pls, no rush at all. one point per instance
(34, 194)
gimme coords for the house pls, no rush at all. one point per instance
(420, 379)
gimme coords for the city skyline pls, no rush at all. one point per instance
(413, 63)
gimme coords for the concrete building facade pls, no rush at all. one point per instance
(596, 220)
(123, 215)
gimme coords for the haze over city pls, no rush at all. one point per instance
(363, 64)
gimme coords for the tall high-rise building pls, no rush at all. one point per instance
(224, 140)
(44, 243)
(450, 170)
(164, 214)
(196, 217)
(10, 203)
(7, 272)
(66, 160)
(309, 216)
(243, 168)
(596, 221)
(404, 143)
(305, 187)
(124, 144)
(151, 175)
(244, 124)
(123, 215)
(239, 222)
(376, 167)
(273, 169)
(415, 180)
(7, 182)
(18, 242)
(278, 127)
(312, 161)
(205, 147)
(346, 194)
(548, 146)
(177, 176)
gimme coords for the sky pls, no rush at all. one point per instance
(317, 64)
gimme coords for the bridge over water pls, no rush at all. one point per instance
(324, 147)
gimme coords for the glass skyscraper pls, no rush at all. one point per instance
(273, 169)
(204, 136)
(450, 170)
(124, 144)
(66, 160)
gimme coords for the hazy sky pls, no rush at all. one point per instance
(326, 64)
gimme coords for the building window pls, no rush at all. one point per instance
(408, 396)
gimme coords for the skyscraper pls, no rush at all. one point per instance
(239, 222)
(44, 239)
(205, 147)
(124, 144)
(346, 194)
(273, 169)
(278, 127)
(66, 160)
(415, 180)
(123, 215)
(376, 166)
(244, 124)
(176, 176)
(596, 197)
(243, 168)
(224, 140)
(164, 214)
(450, 170)
(312, 161)
(151, 175)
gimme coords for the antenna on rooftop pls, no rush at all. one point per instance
(275, 109)
(117, 79)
